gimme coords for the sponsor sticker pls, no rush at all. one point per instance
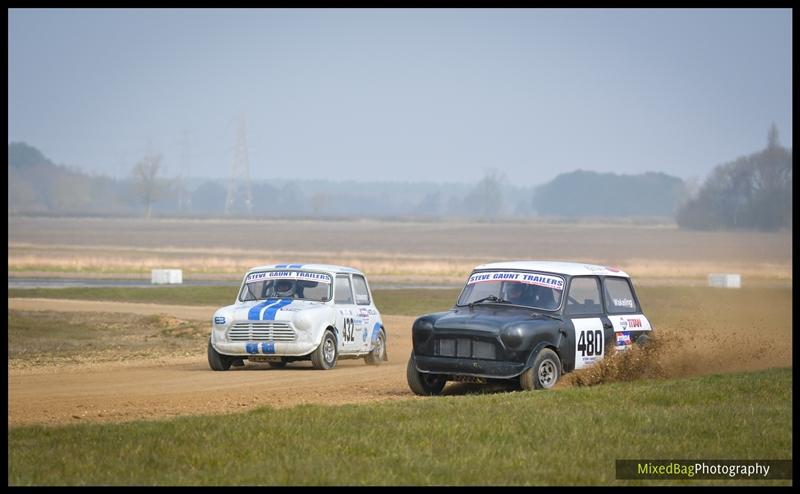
(623, 340)
(623, 302)
(219, 320)
(554, 282)
(633, 322)
(287, 275)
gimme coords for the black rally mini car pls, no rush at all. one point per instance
(526, 320)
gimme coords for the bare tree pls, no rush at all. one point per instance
(145, 182)
(486, 197)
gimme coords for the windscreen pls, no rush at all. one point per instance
(525, 288)
(298, 285)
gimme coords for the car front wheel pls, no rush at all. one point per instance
(324, 357)
(422, 383)
(216, 360)
(544, 373)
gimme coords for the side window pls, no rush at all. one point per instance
(619, 296)
(360, 286)
(343, 294)
(584, 296)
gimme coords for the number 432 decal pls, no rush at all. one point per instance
(347, 331)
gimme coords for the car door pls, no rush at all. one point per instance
(350, 339)
(591, 330)
(368, 317)
(624, 313)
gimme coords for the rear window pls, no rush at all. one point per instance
(360, 286)
(619, 296)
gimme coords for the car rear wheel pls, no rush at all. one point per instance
(422, 383)
(216, 360)
(324, 357)
(544, 373)
(378, 354)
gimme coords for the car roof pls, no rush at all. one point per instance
(558, 267)
(328, 268)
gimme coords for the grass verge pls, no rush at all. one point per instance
(402, 302)
(566, 437)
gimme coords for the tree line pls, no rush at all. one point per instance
(752, 192)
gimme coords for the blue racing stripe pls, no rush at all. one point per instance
(269, 314)
(255, 311)
(280, 265)
(295, 266)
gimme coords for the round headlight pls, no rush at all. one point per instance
(512, 337)
(422, 329)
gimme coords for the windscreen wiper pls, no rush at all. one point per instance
(250, 291)
(534, 313)
(490, 298)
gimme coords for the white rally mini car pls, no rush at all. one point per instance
(290, 312)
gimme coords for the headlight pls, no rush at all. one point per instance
(422, 329)
(512, 337)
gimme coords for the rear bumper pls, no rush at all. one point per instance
(469, 367)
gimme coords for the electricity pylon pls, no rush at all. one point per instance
(184, 196)
(240, 171)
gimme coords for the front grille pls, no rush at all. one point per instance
(262, 331)
(464, 348)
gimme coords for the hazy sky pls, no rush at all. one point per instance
(411, 95)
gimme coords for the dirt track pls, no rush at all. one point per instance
(157, 389)
(161, 387)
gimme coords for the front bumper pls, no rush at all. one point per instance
(277, 348)
(303, 345)
(496, 369)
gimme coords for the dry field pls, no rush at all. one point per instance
(393, 252)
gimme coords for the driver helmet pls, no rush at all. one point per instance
(283, 287)
(514, 291)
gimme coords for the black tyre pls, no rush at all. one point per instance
(277, 365)
(544, 373)
(217, 361)
(324, 357)
(378, 354)
(422, 383)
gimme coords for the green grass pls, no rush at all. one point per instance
(177, 295)
(660, 304)
(407, 302)
(566, 437)
(414, 302)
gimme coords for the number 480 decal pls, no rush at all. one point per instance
(590, 343)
